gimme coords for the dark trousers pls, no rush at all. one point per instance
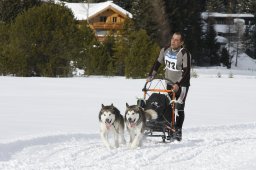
(179, 106)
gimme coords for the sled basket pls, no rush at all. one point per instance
(162, 101)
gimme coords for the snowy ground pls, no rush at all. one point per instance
(52, 123)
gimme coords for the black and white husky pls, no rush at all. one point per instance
(135, 119)
(111, 121)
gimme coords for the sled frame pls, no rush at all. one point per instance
(155, 126)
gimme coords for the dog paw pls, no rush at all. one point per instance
(133, 146)
(110, 147)
(123, 142)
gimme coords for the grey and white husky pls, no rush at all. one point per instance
(135, 119)
(111, 121)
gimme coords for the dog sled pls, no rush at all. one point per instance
(162, 101)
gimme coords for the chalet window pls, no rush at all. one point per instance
(101, 32)
(114, 19)
(247, 22)
(220, 21)
(103, 18)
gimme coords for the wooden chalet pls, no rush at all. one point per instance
(103, 17)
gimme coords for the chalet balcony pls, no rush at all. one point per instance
(105, 25)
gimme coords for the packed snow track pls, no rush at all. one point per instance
(215, 147)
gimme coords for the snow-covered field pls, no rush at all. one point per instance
(52, 123)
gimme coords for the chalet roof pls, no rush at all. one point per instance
(205, 15)
(82, 12)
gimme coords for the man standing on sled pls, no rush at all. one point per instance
(177, 62)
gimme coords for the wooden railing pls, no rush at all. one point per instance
(104, 25)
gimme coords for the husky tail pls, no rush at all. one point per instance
(151, 114)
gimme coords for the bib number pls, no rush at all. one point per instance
(171, 64)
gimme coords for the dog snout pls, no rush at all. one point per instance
(130, 119)
(107, 120)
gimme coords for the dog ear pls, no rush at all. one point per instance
(111, 105)
(141, 108)
(138, 109)
(102, 105)
(127, 105)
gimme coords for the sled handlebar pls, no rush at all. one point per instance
(156, 90)
(145, 87)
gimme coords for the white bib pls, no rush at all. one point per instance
(171, 61)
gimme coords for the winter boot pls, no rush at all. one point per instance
(178, 135)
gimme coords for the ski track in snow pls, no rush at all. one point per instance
(220, 147)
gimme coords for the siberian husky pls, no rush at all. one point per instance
(111, 121)
(135, 119)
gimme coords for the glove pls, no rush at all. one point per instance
(175, 88)
(149, 78)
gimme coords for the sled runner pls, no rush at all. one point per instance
(163, 102)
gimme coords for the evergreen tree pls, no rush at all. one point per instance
(252, 7)
(94, 56)
(126, 4)
(252, 34)
(141, 55)
(74, 1)
(26, 4)
(9, 9)
(85, 1)
(89, 45)
(117, 47)
(96, 1)
(238, 6)
(193, 29)
(215, 6)
(187, 21)
(133, 52)
(244, 6)
(225, 58)
(142, 11)
(97, 59)
(159, 15)
(229, 6)
(109, 44)
(45, 39)
(121, 49)
(4, 41)
(253, 40)
(210, 44)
